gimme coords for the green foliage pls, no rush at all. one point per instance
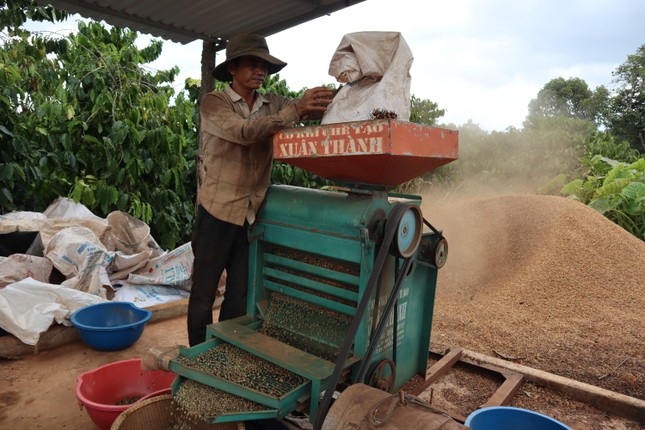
(287, 174)
(276, 85)
(569, 98)
(616, 190)
(626, 113)
(82, 118)
(604, 143)
(14, 13)
(610, 177)
(424, 111)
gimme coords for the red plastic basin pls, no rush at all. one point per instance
(100, 390)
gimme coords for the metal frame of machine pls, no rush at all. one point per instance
(341, 282)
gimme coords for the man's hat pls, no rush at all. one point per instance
(247, 44)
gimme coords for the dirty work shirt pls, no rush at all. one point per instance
(234, 166)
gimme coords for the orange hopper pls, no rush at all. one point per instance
(383, 152)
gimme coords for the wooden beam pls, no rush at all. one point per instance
(606, 400)
(440, 368)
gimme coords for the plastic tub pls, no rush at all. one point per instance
(511, 418)
(109, 390)
(110, 326)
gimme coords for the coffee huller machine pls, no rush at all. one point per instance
(341, 282)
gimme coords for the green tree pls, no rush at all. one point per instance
(83, 118)
(568, 98)
(424, 111)
(20, 57)
(276, 85)
(605, 144)
(14, 13)
(626, 115)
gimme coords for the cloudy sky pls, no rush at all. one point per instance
(480, 60)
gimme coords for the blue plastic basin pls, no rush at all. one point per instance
(110, 326)
(510, 418)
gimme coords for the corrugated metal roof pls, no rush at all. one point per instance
(189, 20)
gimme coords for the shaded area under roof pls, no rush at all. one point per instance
(184, 21)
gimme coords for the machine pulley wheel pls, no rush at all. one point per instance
(409, 231)
(383, 375)
(440, 253)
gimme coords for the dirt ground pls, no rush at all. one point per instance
(542, 281)
(37, 391)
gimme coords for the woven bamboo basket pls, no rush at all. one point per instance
(155, 414)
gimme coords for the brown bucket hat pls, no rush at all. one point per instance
(247, 44)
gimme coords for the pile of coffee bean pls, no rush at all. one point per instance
(196, 404)
(233, 364)
(383, 114)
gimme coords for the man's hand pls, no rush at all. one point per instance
(314, 102)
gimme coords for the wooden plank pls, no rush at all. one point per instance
(438, 369)
(12, 347)
(505, 393)
(168, 310)
(610, 401)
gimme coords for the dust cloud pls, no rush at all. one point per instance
(472, 198)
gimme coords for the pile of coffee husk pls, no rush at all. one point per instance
(546, 282)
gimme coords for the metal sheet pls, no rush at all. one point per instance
(377, 152)
(215, 20)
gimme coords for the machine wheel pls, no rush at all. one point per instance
(409, 232)
(377, 376)
(440, 253)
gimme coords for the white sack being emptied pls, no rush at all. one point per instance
(375, 68)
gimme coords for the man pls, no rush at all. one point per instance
(236, 155)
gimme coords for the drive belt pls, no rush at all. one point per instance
(391, 227)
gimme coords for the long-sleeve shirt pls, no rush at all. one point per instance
(236, 151)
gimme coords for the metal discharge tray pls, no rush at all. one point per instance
(383, 152)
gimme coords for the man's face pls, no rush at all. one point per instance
(248, 73)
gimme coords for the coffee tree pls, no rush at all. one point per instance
(83, 117)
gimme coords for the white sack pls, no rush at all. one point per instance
(131, 235)
(17, 267)
(48, 228)
(19, 215)
(61, 214)
(64, 207)
(79, 255)
(124, 264)
(375, 68)
(149, 295)
(28, 308)
(172, 268)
